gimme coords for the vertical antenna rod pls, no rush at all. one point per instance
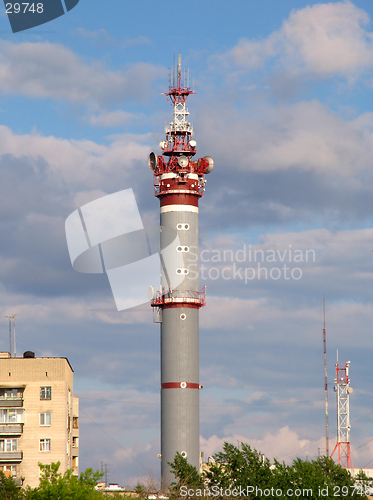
(12, 318)
(14, 336)
(10, 335)
(326, 385)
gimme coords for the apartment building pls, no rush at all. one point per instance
(39, 416)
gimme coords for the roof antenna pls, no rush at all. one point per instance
(12, 319)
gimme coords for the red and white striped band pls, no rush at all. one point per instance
(180, 385)
(179, 203)
(179, 199)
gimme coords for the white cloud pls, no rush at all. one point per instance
(78, 162)
(120, 425)
(111, 119)
(285, 443)
(62, 310)
(83, 197)
(48, 70)
(322, 39)
(337, 263)
(101, 37)
(307, 136)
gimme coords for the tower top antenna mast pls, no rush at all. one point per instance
(179, 132)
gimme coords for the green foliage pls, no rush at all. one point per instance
(141, 491)
(324, 475)
(244, 473)
(236, 467)
(8, 489)
(186, 475)
(56, 486)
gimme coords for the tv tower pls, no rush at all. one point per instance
(343, 390)
(179, 183)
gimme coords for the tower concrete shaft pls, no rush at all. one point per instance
(179, 184)
(343, 391)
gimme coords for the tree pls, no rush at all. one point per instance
(8, 489)
(242, 467)
(243, 472)
(55, 486)
(235, 468)
(186, 475)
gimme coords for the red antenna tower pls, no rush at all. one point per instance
(343, 390)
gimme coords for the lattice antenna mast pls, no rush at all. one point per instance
(326, 385)
(343, 391)
(180, 131)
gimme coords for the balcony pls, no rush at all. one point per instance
(11, 402)
(75, 448)
(10, 456)
(11, 429)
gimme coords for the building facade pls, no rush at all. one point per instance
(39, 416)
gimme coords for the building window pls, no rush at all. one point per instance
(75, 423)
(75, 442)
(12, 468)
(45, 444)
(11, 416)
(8, 445)
(45, 392)
(45, 419)
(9, 393)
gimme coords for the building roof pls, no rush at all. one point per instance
(6, 355)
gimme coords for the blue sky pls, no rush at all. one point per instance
(284, 107)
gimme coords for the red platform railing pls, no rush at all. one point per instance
(171, 297)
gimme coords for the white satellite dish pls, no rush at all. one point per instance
(183, 161)
(152, 292)
(210, 164)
